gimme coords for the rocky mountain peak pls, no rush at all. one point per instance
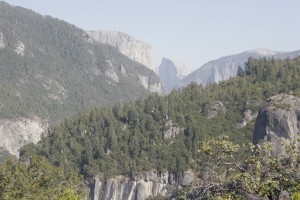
(171, 72)
(136, 50)
(181, 68)
(226, 67)
(263, 51)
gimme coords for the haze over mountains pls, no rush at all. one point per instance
(108, 137)
(149, 148)
(57, 69)
(227, 66)
(174, 74)
(171, 72)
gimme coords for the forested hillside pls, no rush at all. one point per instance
(52, 69)
(163, 132)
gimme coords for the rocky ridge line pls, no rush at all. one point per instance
(134, 49)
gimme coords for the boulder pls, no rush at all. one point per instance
(217, 108)
(278, 122)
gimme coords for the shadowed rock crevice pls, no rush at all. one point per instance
(278, 122)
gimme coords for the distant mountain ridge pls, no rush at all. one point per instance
(226, 67)
(136, 50)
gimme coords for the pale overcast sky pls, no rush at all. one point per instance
(192, 31)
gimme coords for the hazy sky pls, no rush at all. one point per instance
(192, 31)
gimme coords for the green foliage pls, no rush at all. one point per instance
(260, 173)
(70, 195)
(133, 137)
(159, 197)
(4, 155)
(38, 180)
(296, 196)
(58, 76)
(62, 71)
(217, 164)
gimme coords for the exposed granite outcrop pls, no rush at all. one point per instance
(2, 44)
(217, 108)
(15, 133)
(140, 186)
(134, 49)
(147, 83)
(248, 116)
(172, 130)
(278, 122)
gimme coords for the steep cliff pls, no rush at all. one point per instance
(152, 85)
(2, 44)
(134, 49)
(15, 133)
(278, 122)
(171, 72)
(139, 187)
(226, 67)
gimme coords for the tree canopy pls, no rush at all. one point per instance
(260, 173)
(38, 179)
(163, 132)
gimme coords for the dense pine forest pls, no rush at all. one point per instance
(52, 69)
(131, 138)
(102, 122)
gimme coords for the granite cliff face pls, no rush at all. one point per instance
(2, 44)
(149, 84)
(278, 122)
(226, 67)
(139, 187)
(18, 132)
(171, 72)
(134, 49)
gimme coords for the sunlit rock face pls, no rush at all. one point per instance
(2, 44)
(147, 83)
(134, 49)
(141, 186)
(15, 133)
(20, 48)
